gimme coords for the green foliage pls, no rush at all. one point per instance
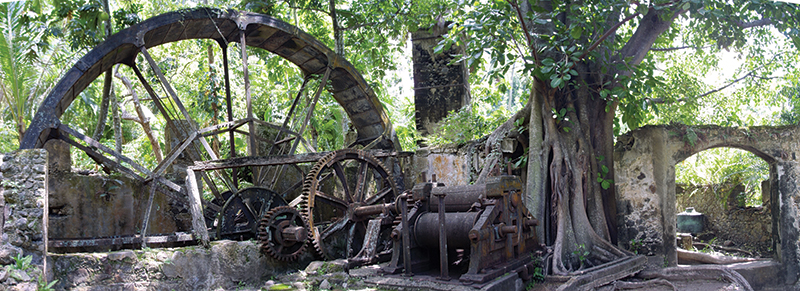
(721, 166)
(127, 16)
(562, 119)
(80, 22)
(581, 252)
(635, 245)
(21, 262)
(603, 174)
(538, 272)
(466, 125)
(43, 285)
(21, 45)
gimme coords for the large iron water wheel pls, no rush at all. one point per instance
(336, 186)
(225, 27)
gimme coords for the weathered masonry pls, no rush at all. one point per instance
(439, 87)
(645, 162)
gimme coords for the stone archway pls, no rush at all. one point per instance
(645, 162)
(732, 192)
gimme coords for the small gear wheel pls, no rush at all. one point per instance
(282, 233)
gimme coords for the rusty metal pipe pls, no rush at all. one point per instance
(458, 198)
(370, 210)
(458, 225)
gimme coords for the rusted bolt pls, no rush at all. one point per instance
(473, 235)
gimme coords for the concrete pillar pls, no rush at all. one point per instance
(788, 212)
(438, 86)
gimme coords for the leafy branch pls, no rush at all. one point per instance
(602, 176)
(750, 74)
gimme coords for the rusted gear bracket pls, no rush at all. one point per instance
(283, 233)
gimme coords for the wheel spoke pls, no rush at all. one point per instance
(374, 199)
(170, 122)
(96, 144)
(337, 168)
(156, 100)
(229, 107)
(331, 200)
(168, 86)
(333, 228)
(361, 181)
(351, 233)
(248, 97)
(311, 106)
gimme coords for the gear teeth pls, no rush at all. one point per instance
(310, 186)
(269, 222)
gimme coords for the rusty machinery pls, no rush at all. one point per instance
(482, 231)
(266, 206)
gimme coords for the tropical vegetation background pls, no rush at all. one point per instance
(742, 84)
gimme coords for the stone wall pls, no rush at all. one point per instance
(452, 165)
(748, 228)
(86, 204)
(439, 86)
(23, 176)
(640, 223)
(645, 159)
(226, 265)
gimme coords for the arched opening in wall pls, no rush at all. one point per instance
(723, 206)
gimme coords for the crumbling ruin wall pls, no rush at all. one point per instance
(645, 162)
(440, 86)
(225, 265)
(23, 176)
(460, 164)
(748, 228)
(23, 190)
(85, 204)
(451, 164)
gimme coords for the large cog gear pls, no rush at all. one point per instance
(282, 233)
(336, 185)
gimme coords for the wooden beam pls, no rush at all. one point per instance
(173, 154)
(280, 160)
(199, 227)
(96, 144)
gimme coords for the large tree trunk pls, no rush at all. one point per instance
(582, 238)
(574, 145)
(564, 148)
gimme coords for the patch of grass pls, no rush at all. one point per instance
(22, 262)
(280, 287)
